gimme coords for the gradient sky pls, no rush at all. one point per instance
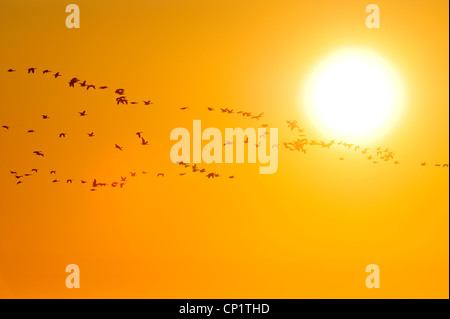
(307, 231)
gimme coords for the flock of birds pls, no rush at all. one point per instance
(91, 134)
(120, 99)
(244, 114)
(300, 144)
(381, 154)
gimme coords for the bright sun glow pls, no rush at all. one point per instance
(353, 94)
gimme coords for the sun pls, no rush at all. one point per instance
(353, 94)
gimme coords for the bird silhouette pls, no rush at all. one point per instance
(56, 75)
(118, 147)
(46, 71)
(45, 117)
(34, 170)
(120, 91)
(11, 70)
(184, 108)
(181, 163)
(210, 109)
(62, 135)
(38, 153)
(121, 100)
(288, 146)
(144, 142)
(90, 86)
(139, 134)
(103, 87)
(91, 134)
(82, 113)
(160, 174)
(30, 131)
(5, 127)
(73, 81)
(31, 70)
(148, 102)
(257, 117)
(292, 124)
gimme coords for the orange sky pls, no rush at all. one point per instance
(307, 231)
